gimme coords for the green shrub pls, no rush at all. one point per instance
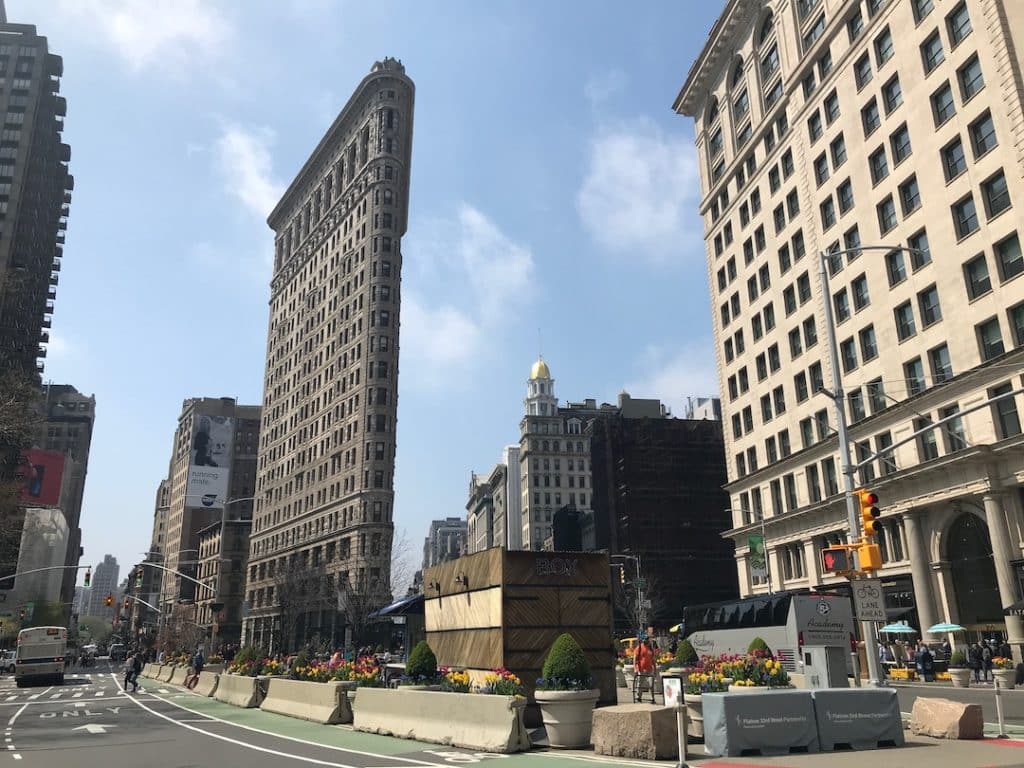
(758, 645)
(566, 666)
(685, 655)
(249, 653)
(422, 663)
(957, 659)
(301, 659)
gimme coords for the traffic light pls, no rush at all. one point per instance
(138, 577)
(88, 576)
(127, 603)
(836, 559)
(108, 600)
(622, 574)
(869, 512)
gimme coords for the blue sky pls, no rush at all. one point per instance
(553, 206)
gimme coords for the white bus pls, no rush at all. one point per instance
(40, 654)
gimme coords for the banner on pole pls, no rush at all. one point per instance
(757, 559)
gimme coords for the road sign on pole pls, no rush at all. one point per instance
(868, 599)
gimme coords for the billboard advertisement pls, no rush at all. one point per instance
(42, 474)
(209, 466)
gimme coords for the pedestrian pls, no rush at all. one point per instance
(926, 663)
(974, 653)
(947, 649)
(129, 672)
(986, 658)
(197, 666)
(1004, 649)
(136, 670)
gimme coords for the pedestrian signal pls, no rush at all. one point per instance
(836, 560)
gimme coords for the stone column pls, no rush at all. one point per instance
(920, 569)
(999, 534)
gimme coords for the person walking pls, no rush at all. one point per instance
(129, 673)
(136, 670)
(986, 659)
(197, 666)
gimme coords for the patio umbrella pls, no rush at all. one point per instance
(902, 629)
(944, 627)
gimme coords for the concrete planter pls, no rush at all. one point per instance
(471, 720)
(1006, 678)
(326, 703)
(960, 676)
(567, 716)
(694, 714)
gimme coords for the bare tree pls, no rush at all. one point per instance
(403, 563)
(639, 606)
(303, 593)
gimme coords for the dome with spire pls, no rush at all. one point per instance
(540, 370)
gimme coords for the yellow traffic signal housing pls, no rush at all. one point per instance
(837, 559)
(108, 600)
(869, 512)
(869, 557)
(622, 574)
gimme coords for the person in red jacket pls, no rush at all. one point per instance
(643, 661)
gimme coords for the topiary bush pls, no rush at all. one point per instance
(957, 660)
(566, 667)
(757, 645)
(685, 655)
(422, 663)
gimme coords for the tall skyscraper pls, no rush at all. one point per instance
(826, 127)
(446, 540)
(104, 582)
(327, 455)
(35, 194)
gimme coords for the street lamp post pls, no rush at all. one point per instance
(839, 402)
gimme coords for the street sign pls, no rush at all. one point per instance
(868, 599)
(646, 604)
(641, 583)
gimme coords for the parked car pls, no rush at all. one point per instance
(7, 663)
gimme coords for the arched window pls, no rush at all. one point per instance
(712, 112)
(737, 74)
(767, 25)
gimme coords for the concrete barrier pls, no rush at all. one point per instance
(178, 676)
(166, 671)
(245, 692)
(151, 671)
(326, 703)
(208, 682)
(471, 720)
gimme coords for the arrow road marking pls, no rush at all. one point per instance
(93, 728)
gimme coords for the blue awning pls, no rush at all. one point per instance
(410, 605)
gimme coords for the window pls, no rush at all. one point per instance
(943, 106)
(744, 135)
(813, 482)
(895, 267)
(815, 126)
(774, 363)
(1009, 258)
(921, 254)
(931, 52)
(766, 408)
(904, 321)
(862, 71)
(803, 286)
(868, 344)
(800, 387)
(913, 373)
(876, 395)
(851, 242)
(887, 460)
(983, 135)
(769, 316)
(900, 143)
(828, 213)
(770, 98)
(795, 348)
(990, 339)
(921, 8)
(810, 332)
(770, 62)
(941, 365)
(816, 31)
(953, 160)
(910, 196)
(971, 78)
(825, 63)
(838, 148)
(953, 430)
(755, 201)
(886, 215)
(861, 298)
(779, 217)
(842, 305)
(928, 305)
(715, 143)
(976, 277)
(779, 400)
(995, 194)
(879, 164)
(965, 217)
(892, 94)
(787, 164)
(856, 401)
(1016, 315)
(831, 107)
(789, 300)
(927, 443)
(762, 367)
(798, 245)
(854, 26)
(821, 424)
(1005, 412)
(774, 182)
(844, 194)
(785, 261)
(848, 353)
(883, 47)
(870, 117)
(958, 23)
(821, 169)
(793, 203)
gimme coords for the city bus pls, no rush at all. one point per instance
(40, 655)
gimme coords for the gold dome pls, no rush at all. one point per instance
(540, 370)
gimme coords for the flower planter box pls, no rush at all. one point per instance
(326, 703)
(694, 715)
(567, 716)
(961, 677)
(471, 720)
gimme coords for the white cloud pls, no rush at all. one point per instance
(600, 88)
(245, 162)
(484, 276)
(170, 36)
(674, 374)
(641, 192)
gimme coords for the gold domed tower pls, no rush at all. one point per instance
(540, 391)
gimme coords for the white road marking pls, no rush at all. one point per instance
(16, 756)
(12, 698)
(98, 694)
(55, 696)
(76, 695)
(10, 723)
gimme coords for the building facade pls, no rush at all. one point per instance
(104, 582)
(212, 432)
(223, 554)
(446, 540)
(828, 126)
(326, 466)
(35, 195)
(494, 502)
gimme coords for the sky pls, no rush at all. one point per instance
(553, 210)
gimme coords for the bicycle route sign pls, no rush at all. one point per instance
(868, 599)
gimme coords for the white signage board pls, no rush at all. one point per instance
(868, 599)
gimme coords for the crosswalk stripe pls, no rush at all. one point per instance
(77, 695)
(98, 694)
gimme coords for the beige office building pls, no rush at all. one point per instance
(835, 124)
(327, 449)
